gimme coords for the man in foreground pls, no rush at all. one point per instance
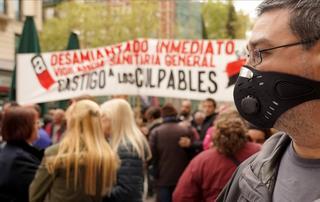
(279, 87)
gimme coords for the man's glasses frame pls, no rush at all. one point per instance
(254, 57)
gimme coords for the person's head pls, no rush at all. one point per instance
(284, 64)
(20, 124)
(119, 124)
(209, 106)
(84, 117)
(8, 105)
(186, 108)
(152, 113)
(168, 110)
(230, 133)
(81, 97)
(84, 145)
(58, 116)
(258, 135)
(51, 112)
(142, 111)
(199, 117)
(47, 119)
(36, 108)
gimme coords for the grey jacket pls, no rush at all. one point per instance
(254, 179)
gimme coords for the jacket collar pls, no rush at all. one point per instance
(214, 114)
(28, 148)
(170, 119)
(258, 178)
(267, 162)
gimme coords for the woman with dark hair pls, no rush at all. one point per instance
(208, 172)
(19, 160)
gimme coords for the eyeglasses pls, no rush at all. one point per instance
(254, 57)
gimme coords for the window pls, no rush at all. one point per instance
(17, 9)
(2, 7)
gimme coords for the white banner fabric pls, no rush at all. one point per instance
(191, 69)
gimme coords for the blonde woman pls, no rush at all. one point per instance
(82, 167)
(132, 147)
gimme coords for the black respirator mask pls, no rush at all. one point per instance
(261, 97)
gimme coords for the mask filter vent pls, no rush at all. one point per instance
(250, 105)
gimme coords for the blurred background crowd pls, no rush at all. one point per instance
(158, 153)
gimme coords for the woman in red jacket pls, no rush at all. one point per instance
(207, 174)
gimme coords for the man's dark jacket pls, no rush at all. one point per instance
(207, 123)
(169, 159)
(255, 178)
(18, 164)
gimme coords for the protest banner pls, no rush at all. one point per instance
(192, 69)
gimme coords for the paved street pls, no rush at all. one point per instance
(153, 199)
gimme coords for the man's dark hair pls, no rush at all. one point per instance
(212, 101)
(18, 123)
(305, 17)
(153, 112)
(168, 110)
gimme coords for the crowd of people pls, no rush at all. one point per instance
(94, 152)
(102, 153)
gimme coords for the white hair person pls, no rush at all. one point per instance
(123, 129)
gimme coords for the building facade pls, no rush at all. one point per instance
(12, 15)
